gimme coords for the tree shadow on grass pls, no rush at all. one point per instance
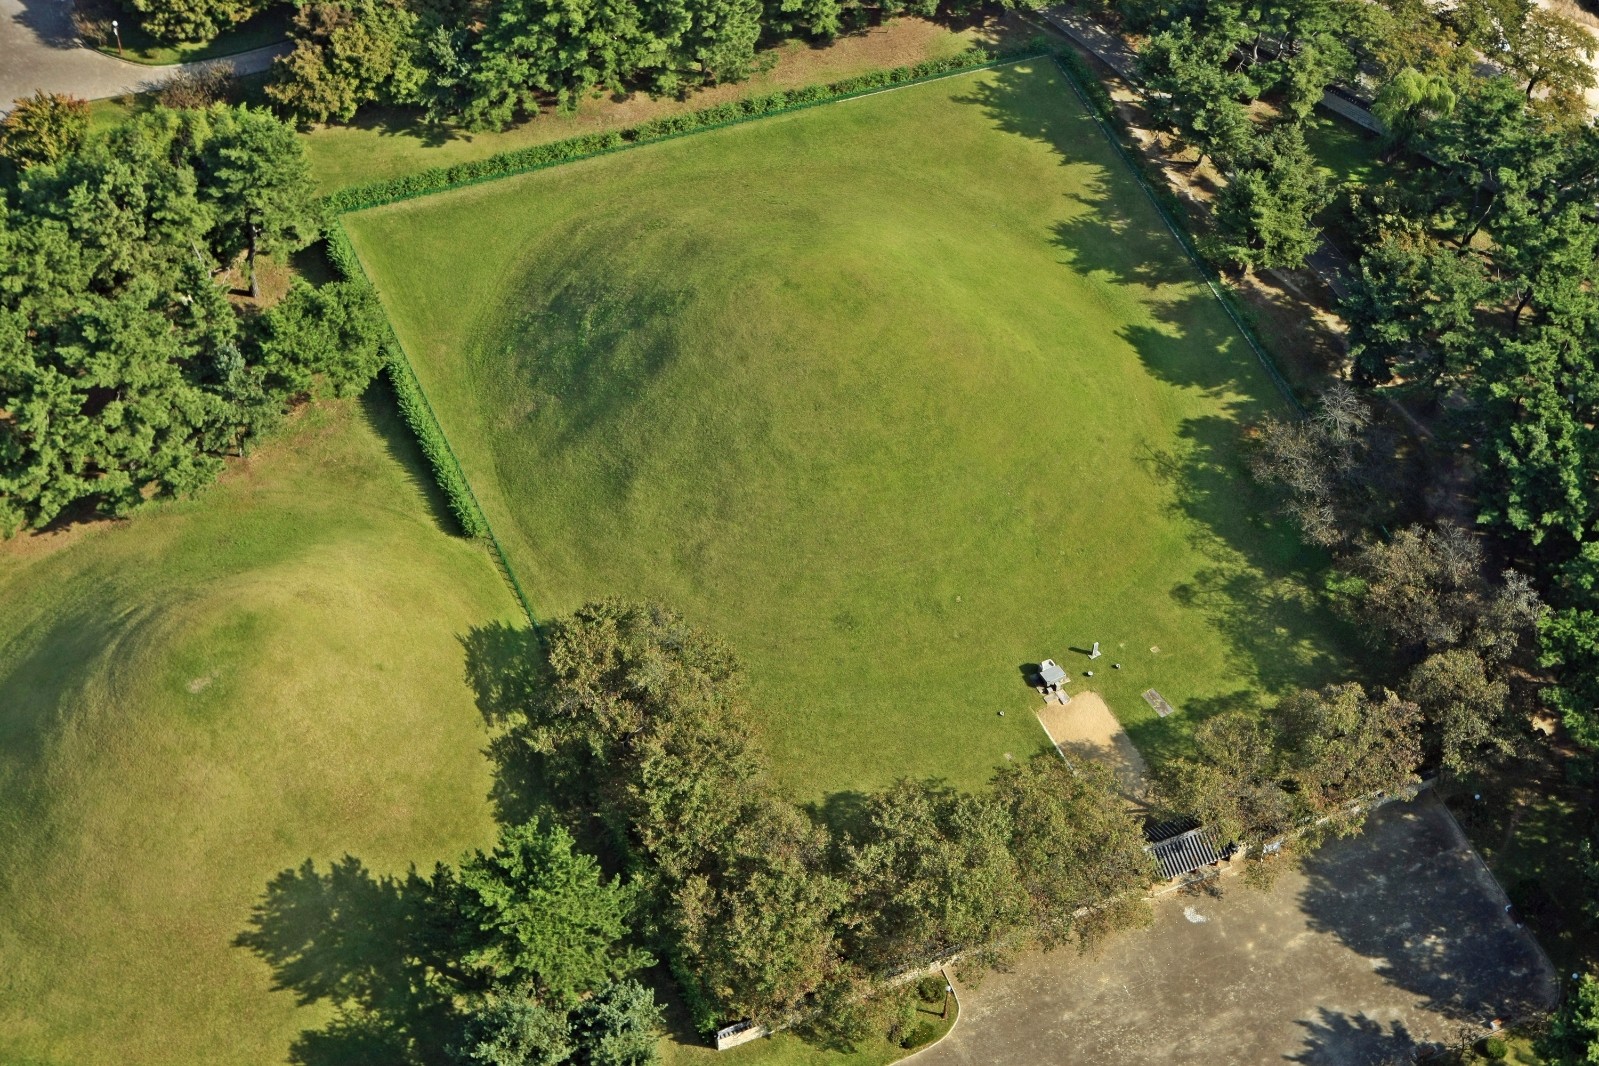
(372, 947)
(1160, 739)
(1255, 590)
(407, 122)
(1111, 232)
(382, 412)
(843, 812)
(505, 669)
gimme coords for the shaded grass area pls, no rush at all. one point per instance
(1344, 150)
(200, 697)
(268, 27)
(899, 394)
(385, 142)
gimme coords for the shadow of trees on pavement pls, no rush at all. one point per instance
(1410, 896)
(1337, 1039)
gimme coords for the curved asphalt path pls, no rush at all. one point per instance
(40, 50)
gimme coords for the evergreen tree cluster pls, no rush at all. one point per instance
(516, 956)
(485, 64)
(125, 371)
(1476, 283)
(1206, 64)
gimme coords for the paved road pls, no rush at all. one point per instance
(39, 50)
(1379, 946)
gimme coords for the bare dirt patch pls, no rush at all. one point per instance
(1086, 729)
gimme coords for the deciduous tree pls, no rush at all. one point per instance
(931, 871)
(1344, 745)
(1467, 708)
(1077, 846)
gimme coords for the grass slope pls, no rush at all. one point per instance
(899, 394)
(198, 698)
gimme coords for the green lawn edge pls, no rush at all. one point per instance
(424, 424)
(414, 404)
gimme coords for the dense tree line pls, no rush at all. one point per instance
(638, 723)
(1205, 65)
(1476, 283)
(487, 63)
(125, 370)
(1473, 291)
(1476, 262)
(1456, 635)
(639, 720)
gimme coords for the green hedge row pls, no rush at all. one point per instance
(414, 407)
(537, 157)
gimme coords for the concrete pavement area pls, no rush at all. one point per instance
(1380, 945)
(40, 50)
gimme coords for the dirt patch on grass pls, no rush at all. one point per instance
(1085, 729)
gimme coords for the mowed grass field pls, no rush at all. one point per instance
(198, 698)
(899, 394)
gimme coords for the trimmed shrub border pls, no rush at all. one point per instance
(424, 424)
(721, 116)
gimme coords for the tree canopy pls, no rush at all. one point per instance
(540, 916)
(125, 372)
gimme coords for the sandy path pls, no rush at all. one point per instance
(1085, 729)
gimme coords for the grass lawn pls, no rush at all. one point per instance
(197, 698)
(898, 394)
(387, 142)
(1344, 150)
